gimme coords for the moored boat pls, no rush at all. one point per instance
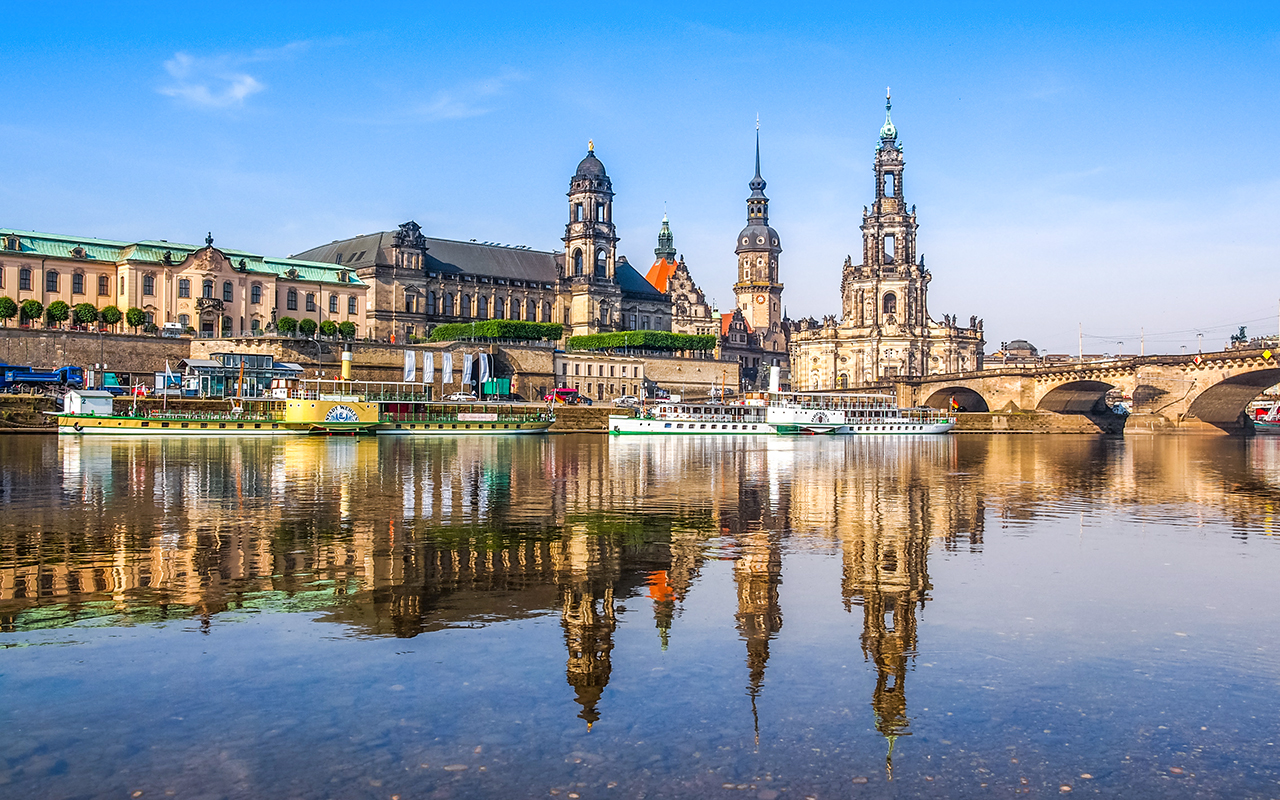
(837, 413)
(701, 418)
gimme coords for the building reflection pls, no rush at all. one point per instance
(402, 537)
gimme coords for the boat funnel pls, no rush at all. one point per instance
(775, 378)
(346, 362)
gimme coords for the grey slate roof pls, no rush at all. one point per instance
(633, 283)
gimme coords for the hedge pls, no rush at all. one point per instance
(497, 329)
(645, 340)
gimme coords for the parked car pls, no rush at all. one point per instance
(461, 397)
(626, 400)
(507, 398)
(566, 396)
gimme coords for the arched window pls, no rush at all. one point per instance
(24, 279)
(546, 312)
(577, 262)
(531, 310)
(184, 320)
(311, 301)
(891, 303)
(448, 304)
(431, 304)
(482, 307)
(255, 325)
(184, 287)
(255, 294)
(226, 291)
(291, 300)
(77, 283)
(466, 305)
(498, 308)
(208, 290)
(51, 281)
(600, 262)
(599, 212)
(515, 308)
(149, 285)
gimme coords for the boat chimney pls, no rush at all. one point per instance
(775, 378)
(346, 362)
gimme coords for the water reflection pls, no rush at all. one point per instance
(403, 538)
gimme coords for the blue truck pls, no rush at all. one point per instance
(37, 381)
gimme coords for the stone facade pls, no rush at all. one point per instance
(209, 289)
(417, 282)
(690, 312)
(884, 330)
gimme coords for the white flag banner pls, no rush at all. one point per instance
(466, 368)
(446, 368)
(410, 366)
(484, 367)
(428, 367)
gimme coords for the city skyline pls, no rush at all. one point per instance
(1091, 167)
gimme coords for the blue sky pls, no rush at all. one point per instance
(1110, 168)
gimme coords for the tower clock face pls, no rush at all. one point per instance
(759, 298)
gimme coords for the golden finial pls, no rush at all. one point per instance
(591, 146)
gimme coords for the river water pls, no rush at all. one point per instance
(584, 617)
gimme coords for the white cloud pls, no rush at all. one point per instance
(217, 82)
(469, 100)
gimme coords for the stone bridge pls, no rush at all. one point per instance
(1182, 390)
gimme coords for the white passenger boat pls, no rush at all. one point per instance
(874, 414)
(706, 418)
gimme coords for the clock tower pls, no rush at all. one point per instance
(758, 292)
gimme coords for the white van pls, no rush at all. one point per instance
(172, 330)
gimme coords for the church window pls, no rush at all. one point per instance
(24, 279)
(891, 303)
(515, 308)
(291, 300)
(482, 307)
(351, 305)
(888, 248)
(208, 290)
(531, 310)
(51, 281)
(226, 291)
(546, 311)
(333, 304)
(466, 305)
(311, 301)
(497, 308)
(104, 286)
(432, 308)
(600, 263)
(149, 285)
(448, 304)
(577, 262)
(255, 294)
(77, 283)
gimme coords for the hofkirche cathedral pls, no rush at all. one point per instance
(417, 282)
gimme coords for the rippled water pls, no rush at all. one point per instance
(576, 616)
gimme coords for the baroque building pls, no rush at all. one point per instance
(417, 282)
(690, 312)
(212, 290)
(884, 330)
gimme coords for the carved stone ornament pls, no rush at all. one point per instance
(410, 236)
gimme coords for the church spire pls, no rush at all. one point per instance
(888, 133)
(666, 249)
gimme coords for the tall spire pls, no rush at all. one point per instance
(666, 249)
(757, 183)
(887, 131)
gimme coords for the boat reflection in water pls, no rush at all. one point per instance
(418, 538)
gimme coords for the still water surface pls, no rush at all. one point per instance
(573, 616)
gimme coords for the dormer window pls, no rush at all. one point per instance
(343, 276)
(78, 252)
(12, 243)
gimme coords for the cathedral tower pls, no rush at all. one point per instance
(758, 291)
(590, 251)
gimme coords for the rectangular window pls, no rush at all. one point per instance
(121, 286)
(311, 301)
(351, 305)
(333, 304)
(576, 368)
(226, 291)
(104, 285)
(77, 283)
(184, 287)
(24, 279)
(51, 281)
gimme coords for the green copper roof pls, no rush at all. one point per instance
(887, 131)
(54, 245)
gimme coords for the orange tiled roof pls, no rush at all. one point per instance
(660, 274)
(727, 319)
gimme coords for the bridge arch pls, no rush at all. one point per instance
(1223, 404)
(967, 399)
(1077, 397)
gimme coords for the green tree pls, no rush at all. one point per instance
(135, 317)
(287, 326)
(112, 316)
(329, 327)
(85, 313)
(8, 310)
(57, 313)
(307, 327)
(31, 309)
(347, 330)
